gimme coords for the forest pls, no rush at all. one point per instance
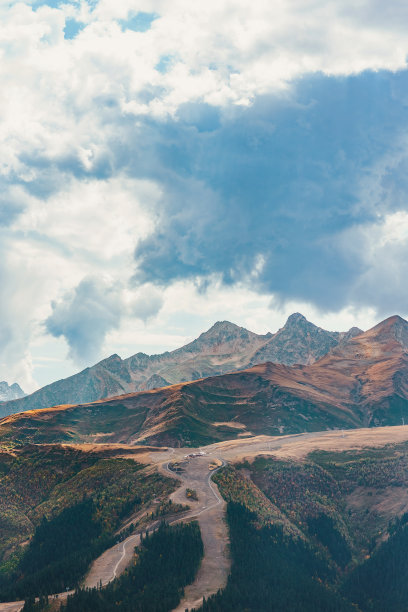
(271, 571)
(166, 561)
(381, 583)
(59, 553)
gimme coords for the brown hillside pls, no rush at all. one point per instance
(361, 382)
(224, 348)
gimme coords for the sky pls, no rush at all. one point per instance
(166, 164)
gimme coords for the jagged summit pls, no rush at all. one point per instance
(222, 325)
(354, 331)
(109, 360)
(295, 319)
(10, 392)
(298, 341)
(359, 383)
(222, 328)
(225, 338)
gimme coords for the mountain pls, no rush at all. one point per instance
(299, 341)
(224, 348)
(361, 382)
(10, 392)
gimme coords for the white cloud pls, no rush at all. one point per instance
(88, 228)
(84, 316)
(94, 220)
(64, 102)
(380, 249)
(62, 97)
(19, 302)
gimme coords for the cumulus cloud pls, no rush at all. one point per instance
(96, 307)
(287, 182)
(382, 250)
(19, 288)
(240, 142)
(49, 244)
(144, 303)
(93, 220)
(65, 96)
(84, 316)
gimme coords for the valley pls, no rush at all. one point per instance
(181, 184)
(286, 452)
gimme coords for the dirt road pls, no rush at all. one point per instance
(111, 563)
(13, 606)
(209, 511)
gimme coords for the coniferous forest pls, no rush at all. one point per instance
(166, 562)
(324, 558)
(381, 583)
(273, 572)
(59, 553)
(270, 572)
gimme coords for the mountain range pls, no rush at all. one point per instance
(224, 348)
(361, 382)
(10, 392)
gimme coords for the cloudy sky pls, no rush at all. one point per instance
(167, 163)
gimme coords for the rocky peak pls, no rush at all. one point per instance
(297, 325)
(224, 337)
(110, 360)
(295, 319)
(298, 341)
(221, 332)
(351, 333)
(222, 327)
(113, 363)
(394, 327)
(10, 392)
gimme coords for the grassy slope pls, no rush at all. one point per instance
(185, 414)
(40, 481)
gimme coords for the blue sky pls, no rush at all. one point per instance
(171, 166)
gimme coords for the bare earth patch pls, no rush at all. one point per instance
(112, 562)
(389, 502)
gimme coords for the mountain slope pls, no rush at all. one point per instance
(362, 382)
(224, 348)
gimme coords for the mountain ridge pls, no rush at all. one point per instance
(362, 382)
(10, 392)
(224, 347)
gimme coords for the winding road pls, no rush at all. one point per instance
(209, 511)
